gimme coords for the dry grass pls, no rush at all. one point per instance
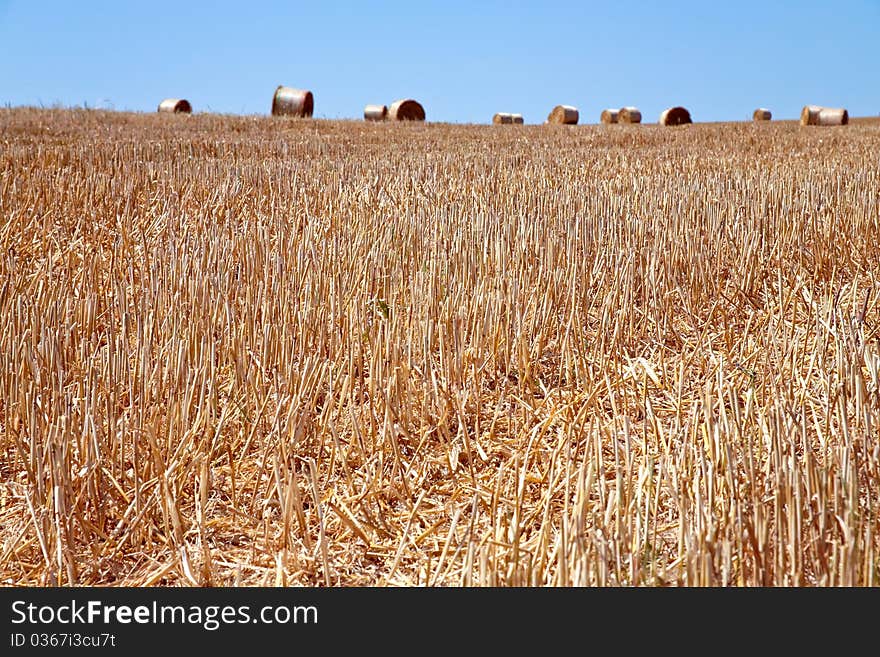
(245, 351)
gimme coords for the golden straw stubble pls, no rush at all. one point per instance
(375, 112)
(241, 350)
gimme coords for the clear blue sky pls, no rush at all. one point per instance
(462, 60)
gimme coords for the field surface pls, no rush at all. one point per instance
(238, 350)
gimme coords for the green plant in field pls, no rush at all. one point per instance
(383, 308)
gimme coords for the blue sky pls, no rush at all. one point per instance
(463, 61)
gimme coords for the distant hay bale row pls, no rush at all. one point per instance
(505, 118)
(401, 110)
(675, 116)
(175, 106)
(622, 115)
(288, 101)
(406, 110)
(564, 114)
(816, 115)
(375, 112)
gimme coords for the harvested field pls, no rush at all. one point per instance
(244, 351)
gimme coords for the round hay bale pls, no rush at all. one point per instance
(406, 110)
(506, 118)
(816, 115)
(629, 115)
(833, 116)
(675, 116)
(761, 114)
(288, 101)
(809, 114)
(564, 114)
(375, 112)
(609, 116)
(175, 106)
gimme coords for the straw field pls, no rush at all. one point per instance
(244, 351)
